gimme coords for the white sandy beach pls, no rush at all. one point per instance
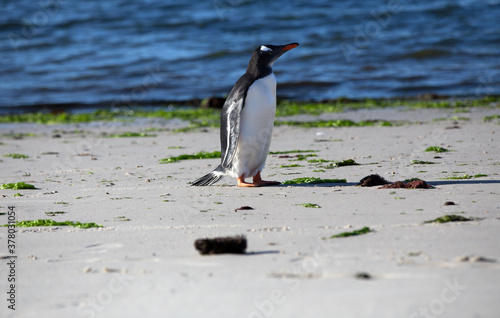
(142, 262)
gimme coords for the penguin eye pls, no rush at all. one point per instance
(264, 48)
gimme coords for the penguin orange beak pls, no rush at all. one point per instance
(279, 50)
(290, 46)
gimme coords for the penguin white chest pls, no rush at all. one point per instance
(256, 127)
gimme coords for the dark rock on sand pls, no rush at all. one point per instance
(221, 245)
(372, 180)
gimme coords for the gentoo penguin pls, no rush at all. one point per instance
(247, 120)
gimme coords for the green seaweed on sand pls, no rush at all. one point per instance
(16, 156)
(130, 134)
(334, 123)
(209, 117)
(53, 213)
(197, 117)
(151, 129)
(290, 108)
(313, 180)
(454, 118)
(310, 205)
(122, 219)
(343, 163)
(289, 151)
(199, 155)
(422, 162)
(436, 149)
(48, 222)
(449, 218)
(290, 166)
(17, 186)
(317, 161)
(465, 177)
(301, 157)
(364, 230)
(59, 118)
(490, 118)
(18, 135)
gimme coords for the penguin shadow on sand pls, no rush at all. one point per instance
(316, 185)
(298, 185)
(252, 253)
(464, 182)
(358, 184)
(355, 184)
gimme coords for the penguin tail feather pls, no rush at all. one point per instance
(209, 178)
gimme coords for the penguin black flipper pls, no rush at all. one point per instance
(229, 133)
(230, 120)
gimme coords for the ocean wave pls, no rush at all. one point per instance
(427, 54)
(92, 51)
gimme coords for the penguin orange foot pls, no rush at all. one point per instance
(257, 181)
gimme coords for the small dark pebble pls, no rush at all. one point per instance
(372, 180)
(438, 157)
(453, 127)
(246, 207)
(449, 203)
(363, 275)
(221, 245)
(475, 259)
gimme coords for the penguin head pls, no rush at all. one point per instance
(264, 56)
